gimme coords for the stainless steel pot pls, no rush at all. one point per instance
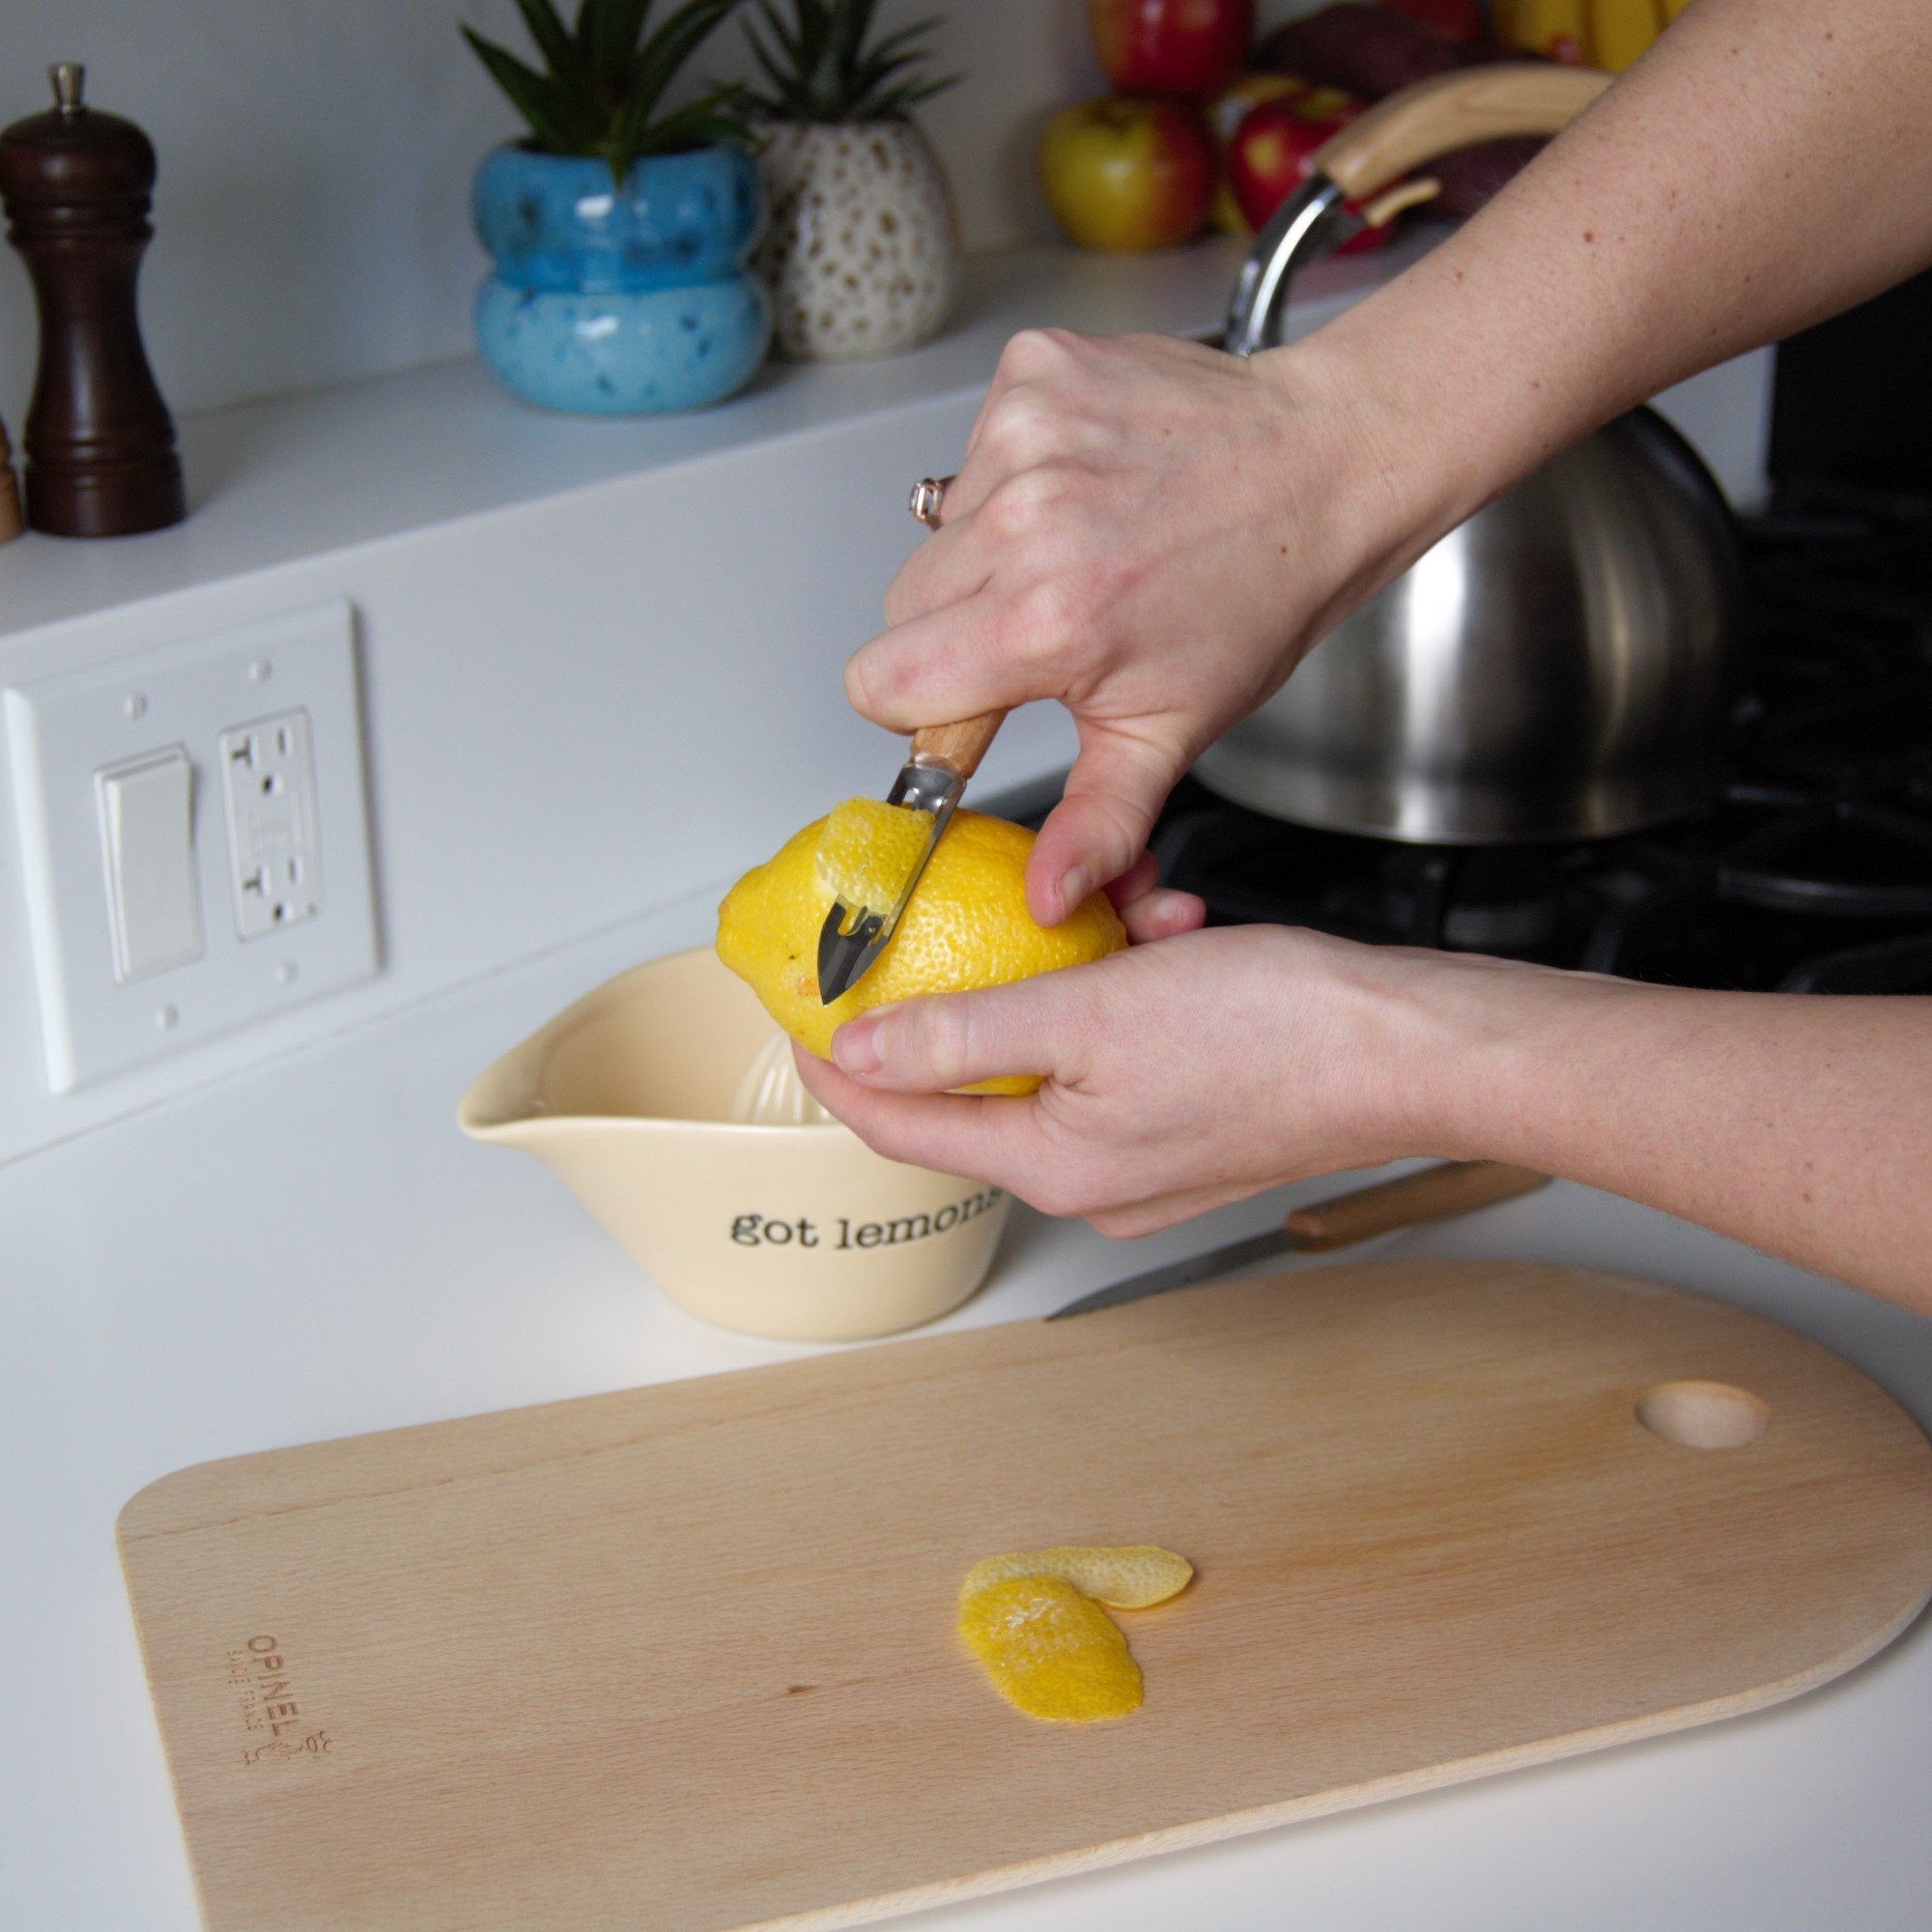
(1555, 667)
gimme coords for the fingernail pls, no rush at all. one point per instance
(1074, 886)
(855, 1046)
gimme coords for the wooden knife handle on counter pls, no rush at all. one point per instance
(1430, 1194)
(960, 747)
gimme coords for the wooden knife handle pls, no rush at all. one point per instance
(958, 747)
(1430, 1194)
(1454, 110)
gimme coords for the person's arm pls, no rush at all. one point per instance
(1189, 1073)
(1153, 534)
(1767, 164)
(1801, 1125)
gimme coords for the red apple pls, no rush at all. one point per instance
(1225, 114)
(1171, 46)
(1126, 175)
(1231, 109)
(1273, 153)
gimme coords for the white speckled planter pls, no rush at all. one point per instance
(862, 251)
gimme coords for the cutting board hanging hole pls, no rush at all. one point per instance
(1704, 1415)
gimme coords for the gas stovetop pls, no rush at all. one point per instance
(1809, 871)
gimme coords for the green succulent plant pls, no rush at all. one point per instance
(819, 67)
(603, 78)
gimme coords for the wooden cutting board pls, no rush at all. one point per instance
(683, 1657)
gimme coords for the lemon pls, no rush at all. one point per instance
(1050, 1651)
(1129, 1578)
(966, 926)
(866, 848)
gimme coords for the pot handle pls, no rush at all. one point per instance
(1454, 110)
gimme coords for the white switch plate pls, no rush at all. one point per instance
(63, 731)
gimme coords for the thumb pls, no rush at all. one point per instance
(935, 668)
(1101, 826)
(950, 1041)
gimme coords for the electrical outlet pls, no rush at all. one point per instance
(274, 852)
(175, 810)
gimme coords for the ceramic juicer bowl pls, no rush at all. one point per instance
(798, 1232)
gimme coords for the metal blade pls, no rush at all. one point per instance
(1182, 1275)
(848, 943)
(1439, 1193)
(852, 937)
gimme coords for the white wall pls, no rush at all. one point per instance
(312, 213)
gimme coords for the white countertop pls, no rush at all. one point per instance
(310, 1249)
(301, 475)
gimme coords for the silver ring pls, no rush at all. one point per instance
(928, 494)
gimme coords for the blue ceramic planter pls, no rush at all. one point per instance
(611, 301)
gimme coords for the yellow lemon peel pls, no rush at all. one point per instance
(866, 850)
(967, 926)
(1130, 1577)
(1051, 1653)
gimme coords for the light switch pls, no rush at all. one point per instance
(147, 847)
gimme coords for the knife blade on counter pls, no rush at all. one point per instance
(943, 757)
(1430, 1194)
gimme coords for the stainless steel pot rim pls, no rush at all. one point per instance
(1458, 812)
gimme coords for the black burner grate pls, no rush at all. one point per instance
(1810, 873)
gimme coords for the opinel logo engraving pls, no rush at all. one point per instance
(271, 1714)
(765, 1231)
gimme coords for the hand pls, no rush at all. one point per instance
(1189, 1073)
(1150, 532)
(1180, 1076)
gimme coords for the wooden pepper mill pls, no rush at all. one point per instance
(99, 443)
